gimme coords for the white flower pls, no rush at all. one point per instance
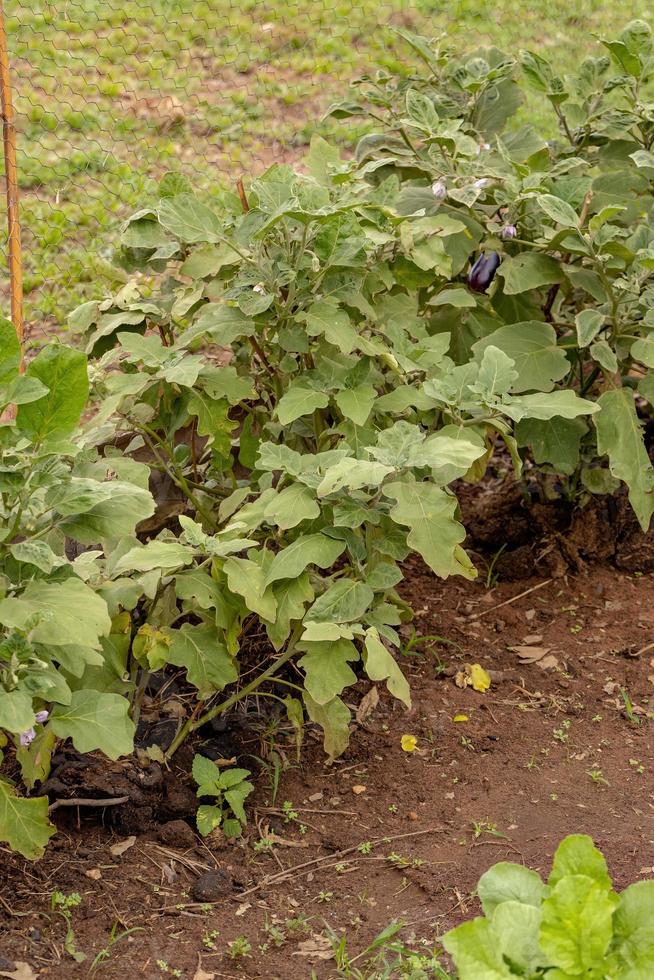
(481, 183)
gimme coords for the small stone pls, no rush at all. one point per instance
(412, 815)
(211, 886)
(177, 833)
(358, 789)
(94, 874)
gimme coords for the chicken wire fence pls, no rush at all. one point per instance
(112, 94)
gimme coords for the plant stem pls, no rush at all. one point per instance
(193, 724)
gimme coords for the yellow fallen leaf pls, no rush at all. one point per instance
(461, 717)
(408, 743)
(479, 678)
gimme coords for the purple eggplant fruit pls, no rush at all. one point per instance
(483, 271)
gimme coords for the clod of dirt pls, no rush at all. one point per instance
(211, 886)
(177, 833)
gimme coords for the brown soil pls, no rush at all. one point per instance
(507, 784)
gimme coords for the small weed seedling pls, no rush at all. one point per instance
(63, 905)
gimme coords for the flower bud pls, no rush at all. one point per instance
(27, 737)
(439, 190)
(481, 183)
(42, 716)
(509, 231)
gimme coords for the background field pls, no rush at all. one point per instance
(110, 95)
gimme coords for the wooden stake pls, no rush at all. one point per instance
(11, 179)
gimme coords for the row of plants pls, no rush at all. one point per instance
(274, 411)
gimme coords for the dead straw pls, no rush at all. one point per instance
(11, 181)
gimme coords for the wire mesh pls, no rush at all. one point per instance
(111, 95)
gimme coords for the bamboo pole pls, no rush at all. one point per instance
(11, 180)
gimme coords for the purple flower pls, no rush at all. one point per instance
(42, 716)
(508, 231)
(439, 190)
(27, 737)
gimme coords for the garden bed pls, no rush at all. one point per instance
(544, 752)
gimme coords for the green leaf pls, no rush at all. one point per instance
(577, 855)
(189, 220)
(555, 441)
(529, 270)
(517, 928)
(207, 775)
(435, 533)
(619, 435)
(9, 351)
(633, 931)
(213, 420)
(345, 601)
(207, 818)
(589, 323)
(334, 719)
(248, 579)
(66, 613)
(604, 355)
(225, 382)
(326, 669)
(356, 403)
(115, 514)
(532, 345)
(299, 401)
(63, 371)
(381, 666)
(496, 373)
(474, 948)
(291, 506)
(333, 323)
(643, 350)
(16, 714)
(24, 824)
(310, 549)
(202, 652)
(353, 474)
(292, 597)
(577, 925)
(558, 210)
(509, 882)
(37, 553)
(564, 403)
(94, 720)
(155, 554)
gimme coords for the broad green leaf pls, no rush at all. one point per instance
(114, 517)
(508, 882)
(577, 855)
(326, 669)
(207, 775)
(345, 601)
(208, 260)
(475, 951)
(225, 382)
(353, 474)
(291, 506)
(202, 652)
(189, 220)
(529, 270)
(577, 926)
(397, 444)
(381, 666)
(292, 598)
(547, 405)
(95, 720)
(601, 352)
(643, 350)
(555, 441)
(517, 928)
(497, 373)
(334, 719)
(24, 824)
(356, 403)
(155, 554)
(248, 579)
(310, 549)
(532, 345)
(589, 323)
(64, 613)
(37, 553)
(558, 210)
(435, 533)
(619, 435)
(326, 319)
(456, 296)
(16, 714)
(63, 371)
(633, 931)
(213, 420)
(299, 401)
